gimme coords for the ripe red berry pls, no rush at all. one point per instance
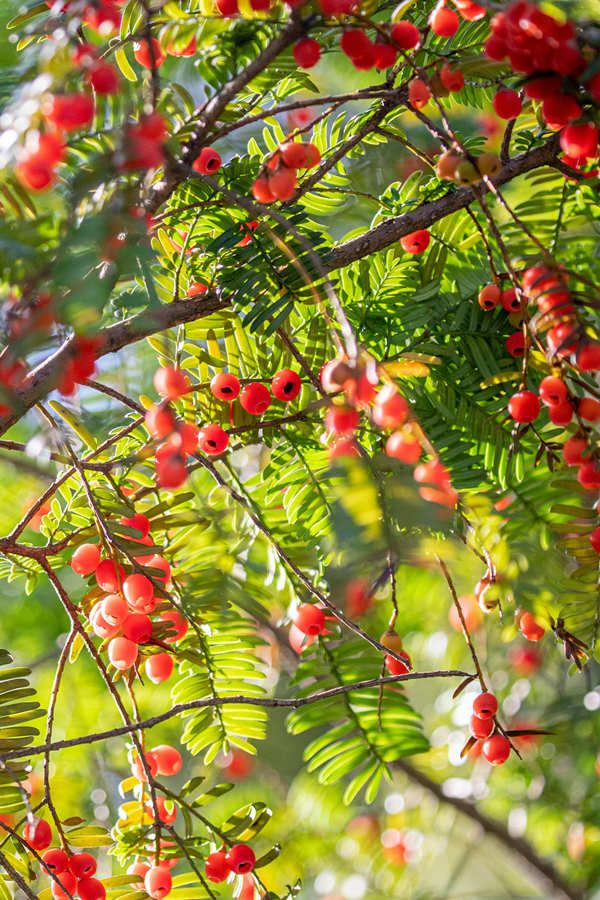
(138, 521)
(404, 448)
(100, 626)
(588, 356)
(139, 593)
(496, 749)
(589, 409)
(559, 109)
(171, 470)
(385, 55)
(70, 111)
(122, 653)
(524, 406)
(588, 475)
(553, 390)
(561, 339)
(443, 21)
(171, 383)
(107, 576)
(137, 627)
(573, 450)
(225, 386)
(489, 296)
(507, 103)
(159, 667)
(82, 865)
(417, 242)
(580, 140)
(452, 79)
(114, 609)
(341, 419)
(293, 155)
(309, 619)
(139, 771)
(396, 666)
(166, 815)
(355, 43)
(510, 301)
(68, 882)
(481, 728)
(217, 867)
(419, 95)
(212, 440)
(255, 398)
(529, 628)
(209, 161)
(158, 882)
(38, 834)
(307, 53)
(91, 889)
(148, 58)
(485, 705)
(161, 564)
(159, 422)
(561, 413)
(390, 409)
(85, 559)
(286, 385)
(241, 859)
(405, 34)
(282, 183)
(595, 539)
(56, 859)
(175, 622)
(138, 868)
(168, 759)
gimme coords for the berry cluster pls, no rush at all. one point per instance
(452, 166)
(121, 614)
(183, 438)
(278, 176)
(75, 871)
(238, 860)
(483, 727)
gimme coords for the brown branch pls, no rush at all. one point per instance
(543, 870)
(269, 702)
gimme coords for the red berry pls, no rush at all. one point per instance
(286, 385)
(140, 522)
(68, 882)
(145, 57)
(225, 387)
(396, 666)
(171, 470)
(580, 140)
(419, 95)
(561, 413)
(159, 667)
(122, 653)
(212, 440)
(355, 43)
(85, 559)
(529, 628)
(82, 865)
(158, 882)
(38, 834)
(404, 448)
(56, 859)
(307, 53)
(309, 619)
(573, 450)
(188, 50)
(489, 296)
(114, 609)
(481, 728)
(588, 475)
(99, 624)
(137, 627)
(443, 21)
(452, 79)
(594, 541)
(171, 383)
(209, 161)
(107, 577)
(160, 563)
(91, 889)
(104, 78)
(553, 391)
(405, 35)
(559, 109)
(177, 622)
(560, 339)
(496, 749)
(485, 705)
(510, 301)
(540, 88)
(588, 357)
(71, 111)
(166, 815)
(589, 409)
(385, 55)
(282, 183)
(524, 406)
(293, 155)
(341, 419)
(217, 867)
(507, 103)
(255, 398)
(168, 759)
(241, 859)
(139, 593)
(417, 242)
(185, 438)
(159, 422)
(390, 409)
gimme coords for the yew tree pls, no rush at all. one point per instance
(299, 407)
